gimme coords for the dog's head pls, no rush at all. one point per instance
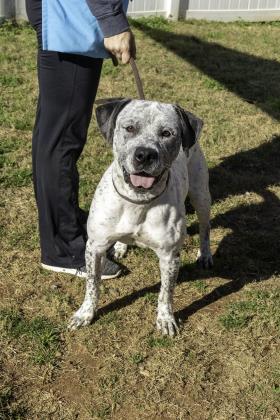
(146, 137)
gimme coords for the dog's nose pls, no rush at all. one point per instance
(145, 155)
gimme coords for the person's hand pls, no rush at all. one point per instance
(121, 46)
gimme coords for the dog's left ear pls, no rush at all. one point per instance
(106, 116)
(191, 127)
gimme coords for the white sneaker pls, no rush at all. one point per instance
(111, 270)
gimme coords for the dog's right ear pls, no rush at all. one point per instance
(106, 116)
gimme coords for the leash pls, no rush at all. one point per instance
(137, 78)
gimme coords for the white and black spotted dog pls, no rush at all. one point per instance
(140, 198)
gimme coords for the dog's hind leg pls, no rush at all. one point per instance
(86, 312)
(200, 199)
(120, 250)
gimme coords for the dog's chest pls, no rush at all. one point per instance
(150, 227)
(132, 223)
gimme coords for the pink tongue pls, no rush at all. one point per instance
(142, 181)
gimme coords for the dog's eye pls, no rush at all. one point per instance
(166, 133)
(129, 129)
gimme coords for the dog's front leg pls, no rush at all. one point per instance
(86, 312)
(169, 268)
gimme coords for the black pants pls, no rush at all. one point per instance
(67, 89)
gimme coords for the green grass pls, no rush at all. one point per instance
(235, 319)
(103, 412)
(159, 342)
(200, 286)
(137, 358)
(10, 81)
(109, 70)
(17, 178)
(151, 298)
(274, 103)
(262, 306)
(41, 335)
(212, 84)
(158, 22)
(225, 362)
(110, 318)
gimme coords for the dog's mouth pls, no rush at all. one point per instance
(141, 180)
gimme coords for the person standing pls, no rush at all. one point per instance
(67, 88)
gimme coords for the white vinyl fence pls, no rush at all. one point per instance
(228, 10)
(225, 10)
(165, 8)
(12, 9)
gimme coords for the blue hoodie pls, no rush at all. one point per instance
(79, 26)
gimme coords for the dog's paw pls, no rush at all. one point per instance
(120, 250)
(204, 260)
(167, 325)
(80, 319)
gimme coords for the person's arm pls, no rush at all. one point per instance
(118, 38)
(110, 16)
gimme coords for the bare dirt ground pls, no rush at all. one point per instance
(225, 364)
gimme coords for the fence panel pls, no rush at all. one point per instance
(136, 8)
(228, 10)
(225, 10)
(139, 8)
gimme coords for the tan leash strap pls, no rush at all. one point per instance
(137, 77)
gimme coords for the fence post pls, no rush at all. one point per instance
(20, 9)
(172, 9)
(7, 9)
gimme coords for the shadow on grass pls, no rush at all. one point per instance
(251, 251)
(254, 79)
